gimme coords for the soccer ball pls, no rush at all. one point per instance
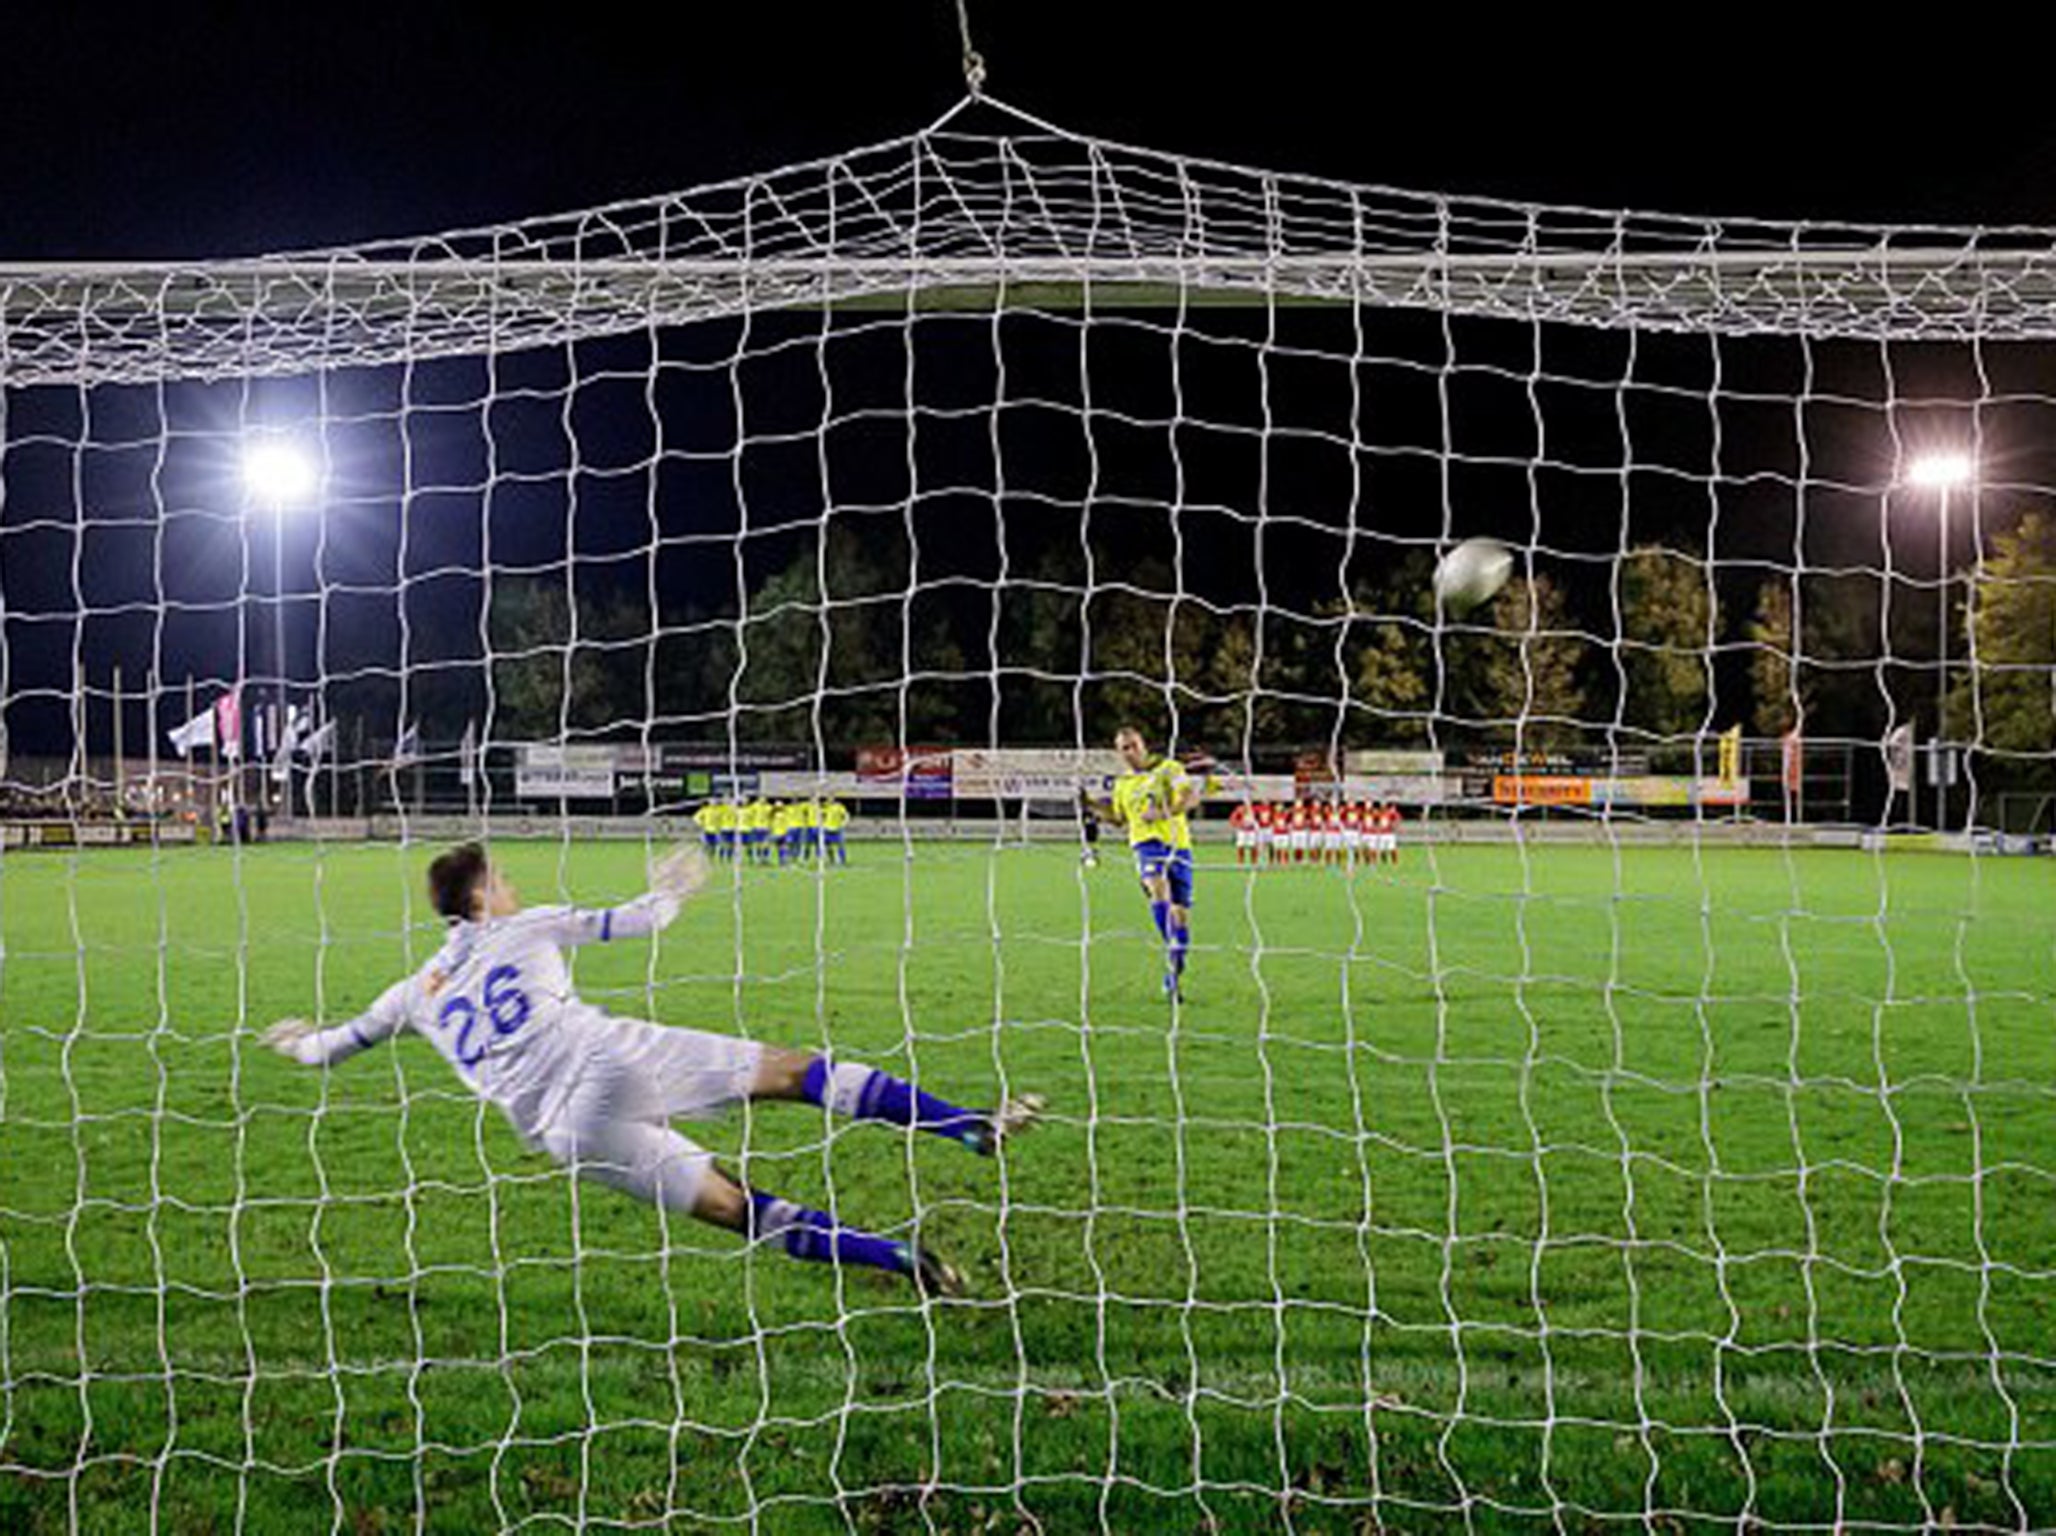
(1472, 573)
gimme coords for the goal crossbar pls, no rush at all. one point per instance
(954, 220)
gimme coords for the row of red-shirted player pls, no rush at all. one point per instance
(1303, 831)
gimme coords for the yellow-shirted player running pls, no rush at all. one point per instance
(1152, 801)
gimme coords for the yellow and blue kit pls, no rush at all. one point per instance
(1150, 805)
(1159, 834)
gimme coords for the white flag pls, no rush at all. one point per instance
(196, 735)
(299, 724)
(318, 744)
(408, 747)
(1899, 757)
(467, 755)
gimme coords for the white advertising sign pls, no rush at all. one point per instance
(1031, 773)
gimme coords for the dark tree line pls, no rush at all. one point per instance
(849, 642)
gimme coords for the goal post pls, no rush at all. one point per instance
(1659, 1136)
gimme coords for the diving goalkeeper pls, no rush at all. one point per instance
(598, 1093)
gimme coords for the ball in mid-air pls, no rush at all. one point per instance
(1472, 573)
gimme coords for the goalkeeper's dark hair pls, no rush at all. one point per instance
(454, 880)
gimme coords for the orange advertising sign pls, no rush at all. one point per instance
(1540, 789)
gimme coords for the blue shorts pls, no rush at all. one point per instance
(1154, 860)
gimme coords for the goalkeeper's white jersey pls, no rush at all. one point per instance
(498, 1003)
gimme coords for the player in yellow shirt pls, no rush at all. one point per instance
(784, 830)
(721, 823)
(756, 829)
(1151, 801)
(705, 818)
(834, 817)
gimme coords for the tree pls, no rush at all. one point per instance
(2006, 699)
(1772, 667)
(1389, 656)
(1525, 668)
(1040, 641)
(1220, 691)
(1666, 606)
(825, 638)
(543, 677)
(1127, 676)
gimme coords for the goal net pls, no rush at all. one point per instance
(1662, 1136)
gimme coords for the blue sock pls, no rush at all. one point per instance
(1181, 940)
(1161, 911)
(814, 1237)
(865, 1093)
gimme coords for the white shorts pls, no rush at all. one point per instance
(1245, 839)
(1331, 839)
(614, 1126)
(1353, 841)
(1301, 838)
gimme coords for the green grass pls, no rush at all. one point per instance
(1500, 1193)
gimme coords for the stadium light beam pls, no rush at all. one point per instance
(1941, 471)
(278, 475)
(280, 478)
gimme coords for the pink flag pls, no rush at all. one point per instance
(228, 722)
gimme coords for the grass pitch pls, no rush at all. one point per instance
(1504, 1191)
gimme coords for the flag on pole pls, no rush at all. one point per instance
(196, 735)
(467, 755)
(317, 744)
(291, 739)
(408, 747)
(1793, 750)
(273, 730)
(228, 724)
(1731, 755)
(1899, 757)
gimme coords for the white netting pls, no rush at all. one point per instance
(1663, 1139)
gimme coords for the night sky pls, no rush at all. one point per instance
(134, 130)
(148, 135)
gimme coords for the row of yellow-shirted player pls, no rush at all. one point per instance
(774, 816)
